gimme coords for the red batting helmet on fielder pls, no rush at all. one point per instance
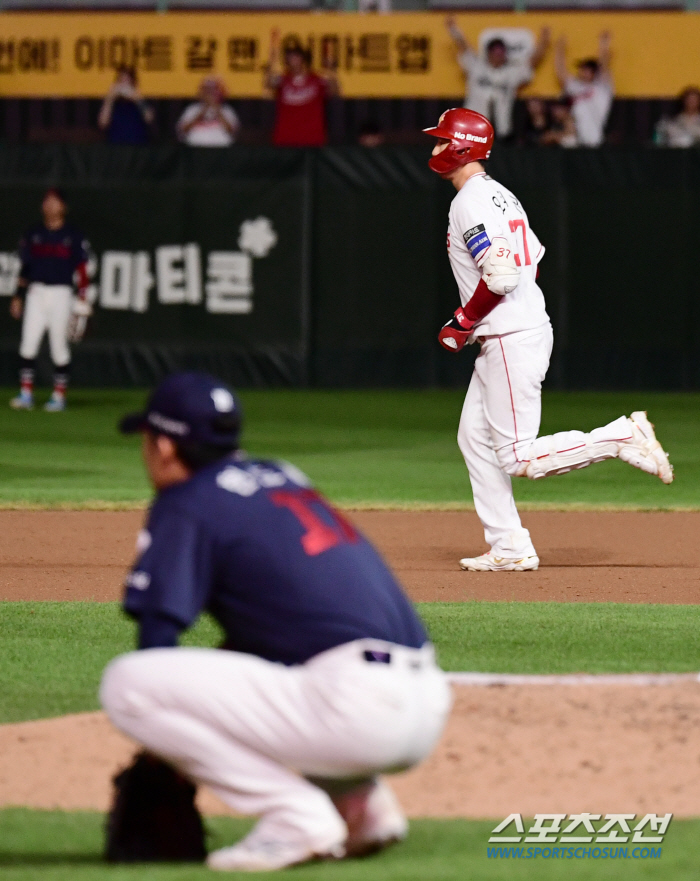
(470, 135)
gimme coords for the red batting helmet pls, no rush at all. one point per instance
(470, 135)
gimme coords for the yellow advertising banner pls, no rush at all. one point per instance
(655, 54)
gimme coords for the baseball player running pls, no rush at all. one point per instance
(329, 678)
(53, 257)
(494, 255)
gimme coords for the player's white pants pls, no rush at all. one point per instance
(47, 308)
(253, 730)
(498, 433)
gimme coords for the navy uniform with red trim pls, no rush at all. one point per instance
(329, 678)
(54, 256)
(494, 254)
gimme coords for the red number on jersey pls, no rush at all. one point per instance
(319, 536)
(448, 241)
(520, 225)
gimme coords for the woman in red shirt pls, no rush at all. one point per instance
(300, 96)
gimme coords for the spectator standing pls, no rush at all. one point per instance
(300, 97)
(684, 129)
(493, 81)
(124, 116)
(591, 90)
(209, 122)
(562, 128)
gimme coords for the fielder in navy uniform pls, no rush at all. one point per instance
(329, 678)
(54, 259)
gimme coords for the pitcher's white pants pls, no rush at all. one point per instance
(498, 433)
(47, 308)
(253, 730)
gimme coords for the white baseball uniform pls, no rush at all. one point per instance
(254, 731)
(48, 308)
(501, 415)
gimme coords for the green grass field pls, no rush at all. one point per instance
(57, 846)
(52, 654)
(376, 448)
(379, 448)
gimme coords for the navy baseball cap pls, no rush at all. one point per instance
(191, 407)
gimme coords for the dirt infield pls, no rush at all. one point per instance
(585, 556)
(527, 749)
(507, 749)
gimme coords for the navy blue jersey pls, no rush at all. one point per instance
(51, 256)
(284, 574)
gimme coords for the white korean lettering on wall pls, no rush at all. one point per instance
(179, 275)
(125, 280)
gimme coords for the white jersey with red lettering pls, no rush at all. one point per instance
(498, 431)
(482, 209)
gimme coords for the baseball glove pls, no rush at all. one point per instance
(80, 314)
(153, 816)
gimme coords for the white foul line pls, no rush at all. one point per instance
(571, 678)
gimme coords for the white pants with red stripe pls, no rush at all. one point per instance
(498, 432)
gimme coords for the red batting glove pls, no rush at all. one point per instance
(456, 332)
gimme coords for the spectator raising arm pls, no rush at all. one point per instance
(560, 68)
(604, 53)
(458, 37)
(300, 96)
(590, 90)
(273, 71)
(541, 48)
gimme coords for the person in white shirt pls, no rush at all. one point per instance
(209, 122)
(493, 81)
(591, 90)
(684, 129)
(495, 254)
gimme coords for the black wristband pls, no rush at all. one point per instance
(21, 289)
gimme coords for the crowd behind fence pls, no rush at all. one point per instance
(304, 104)
(632, 122)
(245, 261)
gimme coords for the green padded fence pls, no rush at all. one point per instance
(328, 267)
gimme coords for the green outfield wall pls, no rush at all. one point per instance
(329, 268)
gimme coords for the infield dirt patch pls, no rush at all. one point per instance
(630, 557)
(524, 749)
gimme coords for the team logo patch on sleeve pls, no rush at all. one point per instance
(477, 240)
